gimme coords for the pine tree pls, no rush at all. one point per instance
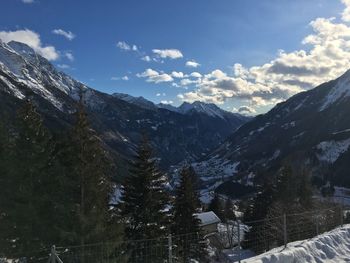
(27, 166)
(144, 204)
(185, 222)
(228, 210)
(217, 207)
(258, 210)
(88, 186)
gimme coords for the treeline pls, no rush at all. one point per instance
(56, 189)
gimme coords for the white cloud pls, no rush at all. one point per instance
(126, 47)
(69, 55)
(32, 39)
(178, 75)
(28, 1)
(168, 53)
(67, 34)
(325, 57)
(134, 48)
(346, 12)
(166, 102)
(196, 75)
(146, 58)
(154, 76)
(126, 78)
(192, 64)
(160, 94)
(246, 110)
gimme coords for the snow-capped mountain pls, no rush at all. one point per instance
(119, 119)
(208, 109)
(139, 101)
(311, 130)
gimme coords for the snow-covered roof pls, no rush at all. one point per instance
(208, 218)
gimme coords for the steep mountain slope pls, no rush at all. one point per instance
(311, 130)
(119, 119)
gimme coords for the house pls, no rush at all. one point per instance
(208, 222)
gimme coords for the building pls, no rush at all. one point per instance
(208, 222)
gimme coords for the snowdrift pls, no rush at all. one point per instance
(333, 246)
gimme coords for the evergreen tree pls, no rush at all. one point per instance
(258, 210)
(144, 204)
(185, 223)
(25, 202)
(217, 207)
(228, 210)
(88, 188)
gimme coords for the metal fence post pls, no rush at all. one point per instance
(285, 230)
(52, 258)
(170, 249)
(239, 241)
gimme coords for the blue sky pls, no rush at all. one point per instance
(215, 34)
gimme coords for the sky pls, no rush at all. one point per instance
(243, 55)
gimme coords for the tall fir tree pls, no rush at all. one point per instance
(26, 197)
(144, 204)
(88, 185)
(185, 223)
(229, 210)
(217, 207)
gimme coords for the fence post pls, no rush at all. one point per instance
(52, 258)
(317, 225)
(285, 230)
(239, 240)
(170, 249)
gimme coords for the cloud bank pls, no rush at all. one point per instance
(326, 56)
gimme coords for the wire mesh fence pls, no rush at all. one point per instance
(232, 242)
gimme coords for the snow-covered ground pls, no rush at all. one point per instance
(333, 246)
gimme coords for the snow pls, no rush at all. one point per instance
(338, 92)
(22, 64)
(215, 169)
(339, 132)
(208, 218)
(208, 108)
(330, 151)
(117, 194)
(333, 246)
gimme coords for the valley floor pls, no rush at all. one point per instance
(333, 246)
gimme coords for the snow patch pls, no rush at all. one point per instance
(330, 247)
(331, 150)
(338, 92)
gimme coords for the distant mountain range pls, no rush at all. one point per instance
(186, 133)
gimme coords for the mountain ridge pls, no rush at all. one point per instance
(309, 130)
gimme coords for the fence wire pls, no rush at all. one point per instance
(233, 242)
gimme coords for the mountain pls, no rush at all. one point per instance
(311, 131)
(186, 108)
(119, 119)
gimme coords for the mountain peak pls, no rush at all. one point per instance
(139, 101)
(202, 107)
(338, 92)
(21, 48)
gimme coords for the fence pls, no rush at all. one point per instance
(233, 242)
(256, 237)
